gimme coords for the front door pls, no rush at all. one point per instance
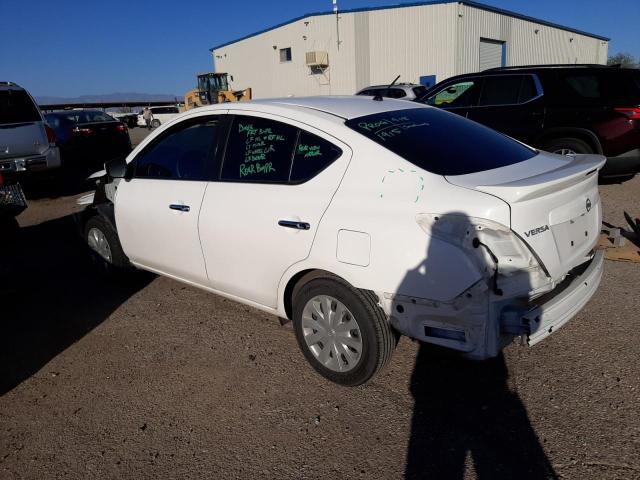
(277, 180)
(157, 208)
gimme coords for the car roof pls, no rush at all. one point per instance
(395, 85)
(10, 86)
(347, 106)
(544, 68)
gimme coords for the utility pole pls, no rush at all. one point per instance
(335, 10)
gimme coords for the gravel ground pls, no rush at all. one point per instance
(148, 378)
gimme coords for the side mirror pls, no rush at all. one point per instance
(116, 168)
(451, 90)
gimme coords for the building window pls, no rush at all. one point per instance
(285, 54)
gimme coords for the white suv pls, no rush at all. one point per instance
(27, 143)
(358, 219)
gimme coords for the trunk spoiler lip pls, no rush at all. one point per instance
(541, 183)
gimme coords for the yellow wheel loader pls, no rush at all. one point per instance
(214, 88)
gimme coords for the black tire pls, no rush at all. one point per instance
(119, 262)
(573, 144)
(378, 337)
(155, 123)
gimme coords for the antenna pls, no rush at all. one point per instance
(335, 10)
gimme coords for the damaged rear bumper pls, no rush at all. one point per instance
(480, 324)
(553, 310)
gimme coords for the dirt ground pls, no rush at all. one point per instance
(148, 378)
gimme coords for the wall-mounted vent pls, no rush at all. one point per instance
(317, 59)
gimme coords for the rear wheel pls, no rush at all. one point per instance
(105, 246)
(155, 123)
(341, 330)
(567, 146)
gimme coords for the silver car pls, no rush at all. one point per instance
(27, 143)
(404, 91)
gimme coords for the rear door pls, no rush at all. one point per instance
(157, 208)
(277, 180)
(510, 104)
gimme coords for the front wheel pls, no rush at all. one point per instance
(105, 246)
(155, 123)
(341, 330)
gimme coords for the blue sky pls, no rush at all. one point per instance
(70, 48)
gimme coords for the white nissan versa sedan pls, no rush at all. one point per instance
(358, 219)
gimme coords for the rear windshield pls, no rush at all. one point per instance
(441, 142)
(82, 116)
(17, 107)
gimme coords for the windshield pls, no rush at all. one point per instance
(441, 142)
(17, 107)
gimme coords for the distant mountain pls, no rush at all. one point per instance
(109, 97)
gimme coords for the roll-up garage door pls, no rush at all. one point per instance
(490, 54)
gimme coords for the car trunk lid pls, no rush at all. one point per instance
(554, 202)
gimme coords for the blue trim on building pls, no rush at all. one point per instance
(469, 3)
(503, 61)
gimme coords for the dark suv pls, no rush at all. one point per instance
(563, 109)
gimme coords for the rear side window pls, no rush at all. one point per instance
(500, 90)
(394, 93)
(259, 150)
(584, 86)
(441, 142)
(313, 154)
(507, 90)
(183, 154)
(17, 107)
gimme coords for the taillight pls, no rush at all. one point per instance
(633, 113)
(51, 135)
(121, 128)
(86, 131)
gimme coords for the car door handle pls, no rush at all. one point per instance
(292, 224)
(180, 208)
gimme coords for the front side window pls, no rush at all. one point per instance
(185, 153)
(460, 94)
(259, 150)
(285, 54)
(441, 142)
(394, 93)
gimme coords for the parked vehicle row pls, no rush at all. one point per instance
(562, 109)
(27, 143)
(359, 220)
(87, 138)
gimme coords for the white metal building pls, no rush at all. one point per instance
(327, 53)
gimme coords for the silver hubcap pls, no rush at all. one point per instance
(99, 244)
(331, 333)
(564, 151)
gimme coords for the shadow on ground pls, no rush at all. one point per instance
(51, 295)
(465, 408)
(60, 183)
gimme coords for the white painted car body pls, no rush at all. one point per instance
(425, 244)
